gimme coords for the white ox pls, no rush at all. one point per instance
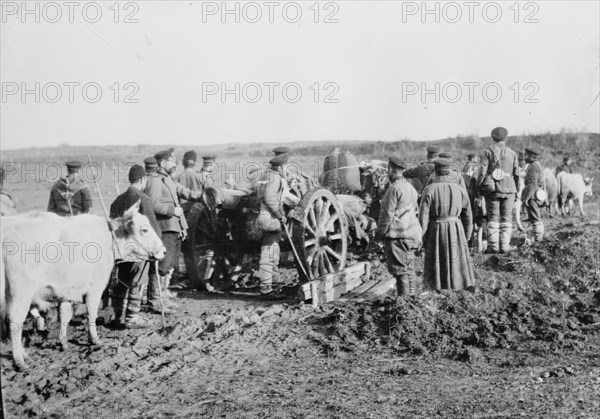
(572, 186)
(46, 257)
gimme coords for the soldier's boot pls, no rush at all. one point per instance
(403, 285)
(119, 306)
(505, 234)
(493, 237)
(269, 260)
(166, 283)
(538, 231)
(154, 296)
(132, 316)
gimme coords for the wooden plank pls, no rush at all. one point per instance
(358, 291)
(330, 281)
(314, 294)
(339, 290)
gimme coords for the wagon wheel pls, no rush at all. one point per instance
(320, 234)
(208, 245)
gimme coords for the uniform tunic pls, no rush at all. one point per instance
(194, 181)
(445, 216)
(165, 193)
(399, 225)
(270, 187)
(67, 196)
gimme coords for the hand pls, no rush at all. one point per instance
(178, 212)
(283, 220)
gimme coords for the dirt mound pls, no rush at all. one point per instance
(548, 292)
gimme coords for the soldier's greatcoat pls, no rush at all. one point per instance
(446, 219)
(164, 193)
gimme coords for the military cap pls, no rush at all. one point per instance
(164, 155)
(281, 150)
(74, 164)
(398, 162)
(209, 158)
(445, 156)
(136, 172)
(190, 155)
(471, 155)
(442, 163)
(533, 151)
(150, 163)
(279, 160)
(432, 149)
(499, 133)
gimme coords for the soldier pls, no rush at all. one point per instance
(534, 179)
(197, 182)
(455, 171)
(70, 195)
(497, 183)
(425, 169)
(566, 166)
(446, 219)
(127, 292)
(209, 167)
(192, 179)
(470, 166)
(271, 218)
(165, 194)
(399, 227)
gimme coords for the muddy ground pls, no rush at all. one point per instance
(522, 343)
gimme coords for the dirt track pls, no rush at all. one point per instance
(523, 343)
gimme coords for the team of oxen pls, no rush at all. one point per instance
(50, 258)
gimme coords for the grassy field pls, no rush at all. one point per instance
(31, 172)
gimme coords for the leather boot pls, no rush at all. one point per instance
(403, 286)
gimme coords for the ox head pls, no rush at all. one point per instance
(137, 239)
(588, 181)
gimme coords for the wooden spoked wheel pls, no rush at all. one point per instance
(320, 234)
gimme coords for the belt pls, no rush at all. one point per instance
(447, 220)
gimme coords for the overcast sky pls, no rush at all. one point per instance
(536, 69)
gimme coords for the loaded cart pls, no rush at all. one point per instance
(323, 219)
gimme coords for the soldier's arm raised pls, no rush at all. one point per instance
(185, 193)
(412, 173)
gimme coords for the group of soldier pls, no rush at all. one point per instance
(437, 214)
(426, 209)
(166, 199)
